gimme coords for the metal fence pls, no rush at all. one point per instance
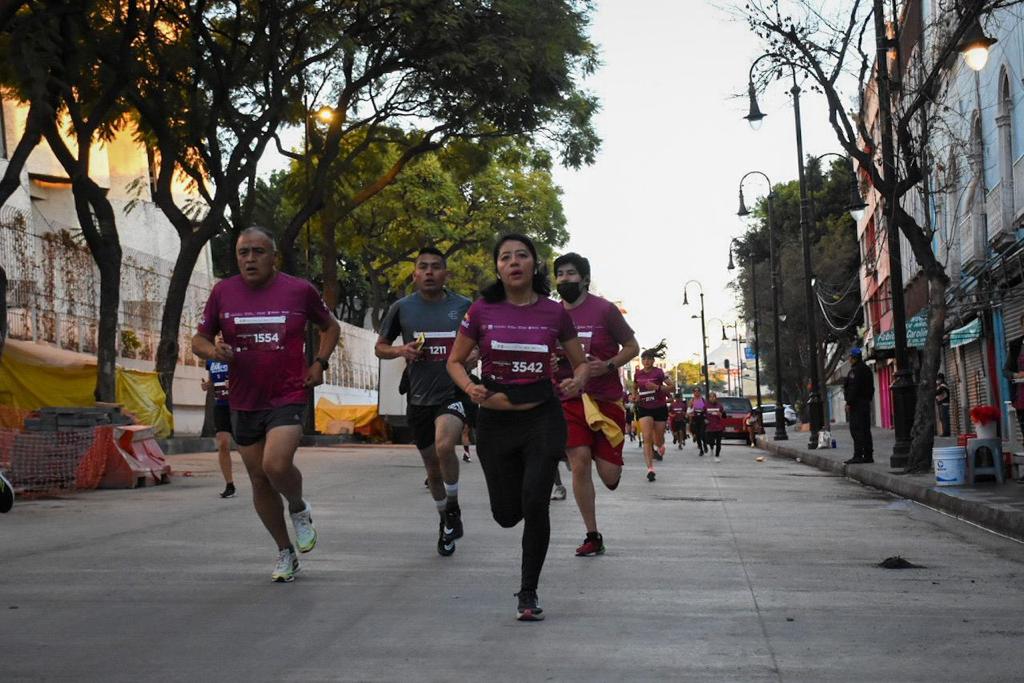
(54, 294)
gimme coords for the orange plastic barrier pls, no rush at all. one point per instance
(134, 458)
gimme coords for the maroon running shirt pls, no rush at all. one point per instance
(516, 342)
(602, 332)
(650, 398)
(266, 329)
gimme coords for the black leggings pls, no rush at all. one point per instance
(519, 451)
(713, 441)
(697, 431)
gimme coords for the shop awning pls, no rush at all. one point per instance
(917, 332)
(966, 334)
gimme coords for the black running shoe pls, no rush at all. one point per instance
(6, 494)
(650, 475)
(529, 608)
(445, 544)
(453, 523)
(229, 491)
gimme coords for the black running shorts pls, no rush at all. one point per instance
(659, 414)
(251, 426)
(422, 418)
(221, 419)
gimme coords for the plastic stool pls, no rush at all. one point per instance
(975, 449)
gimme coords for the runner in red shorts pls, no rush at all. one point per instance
(596, 419)
(262, 315)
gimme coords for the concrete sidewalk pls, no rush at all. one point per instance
(996, 507)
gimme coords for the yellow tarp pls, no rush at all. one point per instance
(365, 418)
(34, 376)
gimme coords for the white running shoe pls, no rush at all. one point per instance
(717, 459)
(287, 566)
(305, 532)
(559, 492)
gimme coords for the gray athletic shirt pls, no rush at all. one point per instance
(429, 383)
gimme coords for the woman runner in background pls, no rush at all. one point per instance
(652, 406)
(521, 430)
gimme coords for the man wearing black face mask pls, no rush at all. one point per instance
(596, 419)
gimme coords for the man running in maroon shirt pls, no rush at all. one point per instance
(262, 315)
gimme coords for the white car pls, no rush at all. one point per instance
(768, 414)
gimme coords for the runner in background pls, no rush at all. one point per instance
(218, 383)
(596, 419)
(696, 412)
(652, 406)
(677, 420)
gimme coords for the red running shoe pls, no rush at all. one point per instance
(593, 545)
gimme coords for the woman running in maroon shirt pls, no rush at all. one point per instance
(652, 388)
(521, 431)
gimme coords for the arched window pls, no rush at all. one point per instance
(974, 227)
(1004, 128)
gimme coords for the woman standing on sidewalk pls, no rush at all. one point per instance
(521, 430)
(652, 406)
(714, 425)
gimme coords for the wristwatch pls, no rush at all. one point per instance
(323, 363)
(611, 367)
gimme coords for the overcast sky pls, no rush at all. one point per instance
(658, 207)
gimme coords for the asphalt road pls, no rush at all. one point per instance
(736, 571)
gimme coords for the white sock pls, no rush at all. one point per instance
(452, 491)
(440, 504)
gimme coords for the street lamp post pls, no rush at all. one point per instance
(703, 334)
(757, 319)
(814, 407)
(739, 365)
(725, 337)
(780, 411)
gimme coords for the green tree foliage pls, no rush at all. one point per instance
(458, 199)
(835, 260)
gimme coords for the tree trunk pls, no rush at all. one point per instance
(923, 432)
(330, 265)
(96, 217)
(170, 324)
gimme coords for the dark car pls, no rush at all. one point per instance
(736, 411)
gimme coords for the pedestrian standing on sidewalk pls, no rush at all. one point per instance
(521, 430)
(714, 425)
(942, 403)
(858, 390)
(1013, 370)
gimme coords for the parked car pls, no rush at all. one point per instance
(736, 411)
(768, 414)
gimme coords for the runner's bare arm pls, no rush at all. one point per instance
(456, 366)
(385, 351)
(580, 369)
(330, 333)
(205, 348)
(630, 349)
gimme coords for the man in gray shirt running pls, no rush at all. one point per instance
(428, 320)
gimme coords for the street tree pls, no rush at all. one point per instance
(459, 199)
(74, 104)
(828, 45)
(217, 81)
(835, 258)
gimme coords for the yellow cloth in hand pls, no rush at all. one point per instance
(597, 420)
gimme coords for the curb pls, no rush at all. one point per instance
(178, 445)
(1007, 522)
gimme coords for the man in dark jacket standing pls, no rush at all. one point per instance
(858, 390)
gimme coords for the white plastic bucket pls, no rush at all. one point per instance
(950, 465)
